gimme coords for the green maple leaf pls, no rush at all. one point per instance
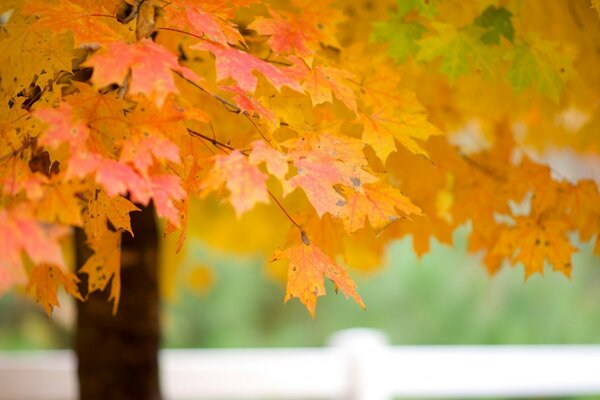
(538, 63)
(401, 36)
(496, 22)
(460, 51)
(426, 8)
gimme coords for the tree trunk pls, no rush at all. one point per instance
(118, 355)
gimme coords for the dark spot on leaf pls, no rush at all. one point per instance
(305, 238)
(355, 181)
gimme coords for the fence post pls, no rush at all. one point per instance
(365, 351)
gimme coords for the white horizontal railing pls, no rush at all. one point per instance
(358, 365)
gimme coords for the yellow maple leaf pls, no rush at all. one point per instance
(44, 281)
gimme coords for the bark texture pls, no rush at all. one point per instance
(118, 355)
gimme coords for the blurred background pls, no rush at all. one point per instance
(446, 297)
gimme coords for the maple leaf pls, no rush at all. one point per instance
(85, 18)
(244, 181)
(532, 242)
(459, 49)
(60, 203)
(401, 36)
(29, 55)
(379, 203)
(277, 162)
(239, 65)
(166, 191)
(62, 128)
(252, 106)
(537, 62)
(405, 122)
(102, 209)
(206, 19)
(151, 66)
(45, 279)
(20, 232)
(308, 268)
(105, 266)
(289, 34)
(321, 82)
(140, 151)
(329, 161)
(497, 23)
(427, 8)
(117, 178)
(583, 203)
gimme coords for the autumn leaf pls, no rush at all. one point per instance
(534, 242)
(206, 19)
(102, 209)
(140, 152)
(244, 181)
(388, 124)
(60, 203)
(104, 266)
(309, 266)
(62, 127)
(276, 161)
(240, 66)
(252, 106)
(117, 178)
(288, 34)
(21, 233)
(322, 82)
(325, 163)
(151, 66)
(79, 17)
(44, 281)
(380, 203)
(27, 53)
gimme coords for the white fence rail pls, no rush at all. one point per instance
(358, 365)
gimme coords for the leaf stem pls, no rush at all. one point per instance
(297, 225)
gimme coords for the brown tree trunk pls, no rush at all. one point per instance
(118, 354)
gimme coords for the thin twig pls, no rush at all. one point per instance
(164, 28)
(297, 225)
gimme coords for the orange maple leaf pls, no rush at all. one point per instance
(277, 162)
(324, 163)
(20, 232)
(151, 67)
(533, 241)
(379, 203)
(87, 19)
(245, 182)
(62, 128)
(239, 65)
(307, 270)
